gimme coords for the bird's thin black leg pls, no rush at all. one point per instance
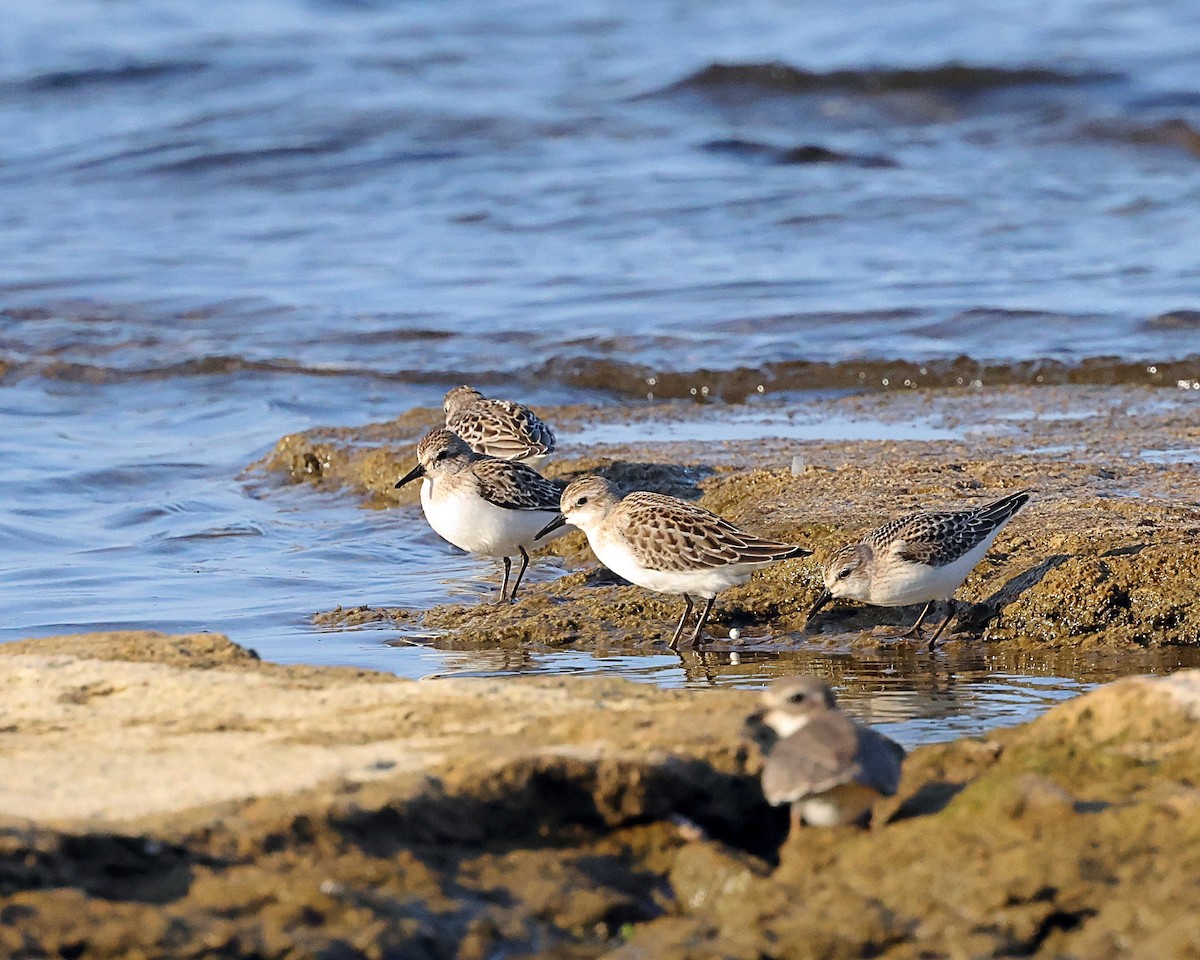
(512, 597)
(703, 618)
(915, 629)
(504, 585)
(683, 619)
(951, 613)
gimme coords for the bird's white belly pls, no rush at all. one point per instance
(897, 583)
(821, 813)
(701, 583)
(477, 526)
(848, 803)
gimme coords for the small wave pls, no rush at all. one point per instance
(798, 155)
(224, 365)
(126, 73)
(615, 378)
(130, 475)
(218, 533)
(1174, 133)
(948, 77)
(218, 159)
(398, 336)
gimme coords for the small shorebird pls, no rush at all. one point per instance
(920, 558)
(498, 428)
(665, 544)
(830, 769)
(482, 504)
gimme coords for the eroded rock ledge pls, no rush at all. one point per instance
(1107, 555)
(193, 801)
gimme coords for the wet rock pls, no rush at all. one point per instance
(1150, 597)
(705, 875)
(1104, 556)
(571, 818)
(369, 459)
(196, 650)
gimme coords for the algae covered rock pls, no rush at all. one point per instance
(1148, 597)
(1075, 835)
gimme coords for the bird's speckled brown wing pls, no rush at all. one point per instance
(515, 486)
(501, 428)
(937, 539)
(668, 534)
(818, 757)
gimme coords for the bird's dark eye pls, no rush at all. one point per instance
(844, 573)
(442, 455)
(796, 698)
(581, 501)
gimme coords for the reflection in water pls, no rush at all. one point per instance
(912, 696)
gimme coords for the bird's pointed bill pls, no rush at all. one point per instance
(823, 599)
(413, 474)
(550, 527)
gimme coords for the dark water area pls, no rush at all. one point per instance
(224, 222)
(410, 189)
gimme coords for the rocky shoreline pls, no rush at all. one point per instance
(177, 796)
(1107, 556)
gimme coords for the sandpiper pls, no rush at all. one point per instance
(498, 428)
(828, 768)
(665, 544)
(919, 558)
(482, 504)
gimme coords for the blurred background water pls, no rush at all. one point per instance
(224, 222)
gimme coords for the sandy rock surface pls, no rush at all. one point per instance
(193, 801)
(92, 736)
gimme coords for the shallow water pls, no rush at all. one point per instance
(221, 223)
(750, 423)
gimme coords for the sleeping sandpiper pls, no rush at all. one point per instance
(665, 544)
(498, 428)
(920, 558)
(482, 504)
(818, 760)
